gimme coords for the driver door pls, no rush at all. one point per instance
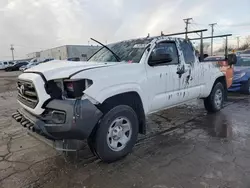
(161, 74)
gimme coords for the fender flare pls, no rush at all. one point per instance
(113, 90)
(217, 79)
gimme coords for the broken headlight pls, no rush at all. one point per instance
(75, 88)
(54, 89)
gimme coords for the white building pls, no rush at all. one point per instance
(83, 52)
(33, 55)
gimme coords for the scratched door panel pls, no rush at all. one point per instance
(189, 85)
(170, 75)
(162, 76)
(172, 86)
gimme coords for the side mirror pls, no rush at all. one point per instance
(232, 59)
(159, 58)
(205, 56)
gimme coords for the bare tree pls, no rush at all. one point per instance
(246, 44)
(206, 45)
(248, 40)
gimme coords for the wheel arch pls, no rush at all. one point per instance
(209, 87)
(100, 93)
(221, 79)
(132, 99)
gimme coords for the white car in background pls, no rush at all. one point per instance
(2, 66)
(5, 64)
(31, 64)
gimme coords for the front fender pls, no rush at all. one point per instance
(105, 93)
(246, 77)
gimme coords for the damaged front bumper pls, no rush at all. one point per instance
(62, 119)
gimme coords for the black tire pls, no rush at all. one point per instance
(246, 88)
(210, 103)
(98, 142)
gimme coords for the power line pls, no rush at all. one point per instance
(194, 24)
(195, 28)
(23, 46)
(199, 24)
(10, 56)
(242, 34)
(237, 25)
(229, 25)
(220, 30)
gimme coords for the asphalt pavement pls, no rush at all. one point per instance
(184, 148)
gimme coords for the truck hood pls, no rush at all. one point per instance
(57, 69)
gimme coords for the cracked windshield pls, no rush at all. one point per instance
(124, 94)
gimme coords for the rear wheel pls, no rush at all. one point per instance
(246, 88)
(214, 102)
(116, 134)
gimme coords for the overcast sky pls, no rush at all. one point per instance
(32, 25)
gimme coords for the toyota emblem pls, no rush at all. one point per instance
(22, 89)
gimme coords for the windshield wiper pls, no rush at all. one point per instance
(116, 56)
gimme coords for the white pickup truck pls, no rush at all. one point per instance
(106, 99)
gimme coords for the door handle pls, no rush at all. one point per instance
(180, 71)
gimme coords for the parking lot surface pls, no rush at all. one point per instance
(184, 147)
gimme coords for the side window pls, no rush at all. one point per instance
(188, 52)
(164, 53)
(5, 63)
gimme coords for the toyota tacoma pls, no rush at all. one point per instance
(105, 100)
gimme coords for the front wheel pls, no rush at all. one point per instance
(214, 102)
(116, 134)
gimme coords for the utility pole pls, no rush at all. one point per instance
(12, 51)
(187, 23)
(212, 34)
(226, 48)
(238, 42)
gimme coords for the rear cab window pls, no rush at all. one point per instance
(188, 52)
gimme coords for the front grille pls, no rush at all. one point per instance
(27, 93)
